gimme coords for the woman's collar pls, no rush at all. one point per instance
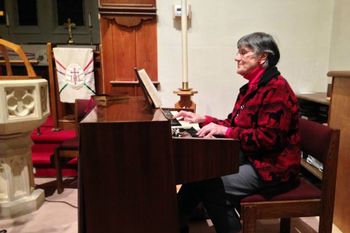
(255, 75)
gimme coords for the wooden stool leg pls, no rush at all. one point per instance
(249, 219)
(58, 171)
(325, 224)
(285, 225)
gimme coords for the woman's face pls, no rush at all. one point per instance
(247, 60)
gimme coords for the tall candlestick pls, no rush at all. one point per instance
(89, 20)
(7, 20)
(184, 44)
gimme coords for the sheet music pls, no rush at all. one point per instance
(151, 89)
(152, 93)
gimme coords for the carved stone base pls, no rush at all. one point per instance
(17, 194)
(23, 205)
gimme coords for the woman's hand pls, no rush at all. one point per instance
(212, 129)
(189, 117)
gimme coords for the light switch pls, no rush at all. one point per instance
(178, 12)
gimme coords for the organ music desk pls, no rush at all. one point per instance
(130, 164)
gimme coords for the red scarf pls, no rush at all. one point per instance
(254, 76)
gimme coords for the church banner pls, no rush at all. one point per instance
(75, 73)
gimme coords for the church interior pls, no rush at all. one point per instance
(85, 142)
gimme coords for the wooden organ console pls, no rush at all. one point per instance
(130, 164)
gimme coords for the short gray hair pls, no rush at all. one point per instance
(261, 42)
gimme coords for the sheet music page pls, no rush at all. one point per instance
(151, 89)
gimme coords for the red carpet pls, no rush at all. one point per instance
(44, 148)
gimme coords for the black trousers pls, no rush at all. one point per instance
(220, 196)
(212, 194)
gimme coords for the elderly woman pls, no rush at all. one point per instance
(265, 120)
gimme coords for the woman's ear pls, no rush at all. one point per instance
(263, 58)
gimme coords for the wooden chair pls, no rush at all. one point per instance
(306, 199)
(70, 148)
(63, 113)
(4, 47)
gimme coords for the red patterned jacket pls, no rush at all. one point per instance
(265, 120)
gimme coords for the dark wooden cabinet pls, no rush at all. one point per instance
(314, 106)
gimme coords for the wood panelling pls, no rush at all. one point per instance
(196, 159)
(146, 49)
(124, 51)
(107, 57)
(124, 174)
(128, 40)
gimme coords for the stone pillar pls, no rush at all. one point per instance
(24, 106)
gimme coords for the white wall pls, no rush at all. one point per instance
(340, 44)
(301, 28)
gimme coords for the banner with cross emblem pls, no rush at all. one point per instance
(75, 73)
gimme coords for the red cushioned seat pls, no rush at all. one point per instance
(44, 147)
(304, 190)
(41, 153)
(42, 161)
(51, 172)
(49, 136)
